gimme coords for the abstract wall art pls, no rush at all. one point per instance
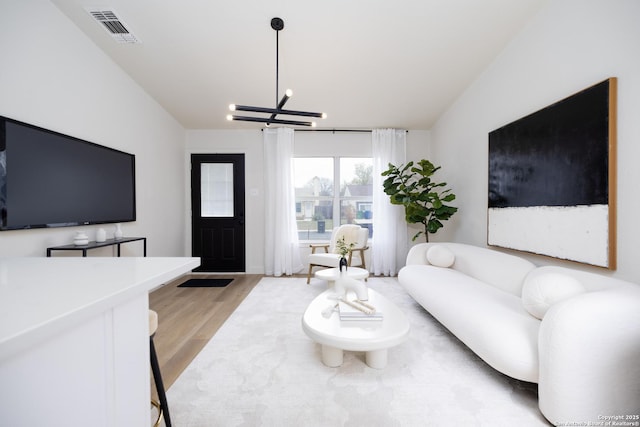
(552, 179)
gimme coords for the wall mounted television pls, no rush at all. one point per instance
(48, 179)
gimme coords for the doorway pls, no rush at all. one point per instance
(217, 212)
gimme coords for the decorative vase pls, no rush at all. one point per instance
(343, 262)
(101, 235)
(80, 239)
(118, 233)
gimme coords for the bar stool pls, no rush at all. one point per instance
(163, 407)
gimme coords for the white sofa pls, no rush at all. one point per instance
(576, 334)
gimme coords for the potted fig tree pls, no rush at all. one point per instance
(424, 200)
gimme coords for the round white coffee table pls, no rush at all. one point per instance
(333, 274)
(374, 337)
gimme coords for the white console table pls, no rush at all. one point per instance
(74, 339)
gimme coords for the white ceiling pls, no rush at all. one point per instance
(367, 64)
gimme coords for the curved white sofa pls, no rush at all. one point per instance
(584, 352)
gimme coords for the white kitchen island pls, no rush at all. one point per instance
(74, 339)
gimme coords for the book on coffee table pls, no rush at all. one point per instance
(350, 311)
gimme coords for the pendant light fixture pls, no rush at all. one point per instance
(277, 24)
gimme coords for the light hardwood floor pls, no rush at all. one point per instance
(189, 317)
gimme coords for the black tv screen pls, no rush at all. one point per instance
(48, 179)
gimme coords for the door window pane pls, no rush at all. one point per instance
(216, 189)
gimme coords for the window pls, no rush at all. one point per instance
(331, 191)
(216, 185)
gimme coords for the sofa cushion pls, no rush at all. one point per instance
(542, 291)
(440, 256)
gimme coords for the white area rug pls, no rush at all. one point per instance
(260, 369)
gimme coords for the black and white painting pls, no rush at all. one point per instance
(552, 179)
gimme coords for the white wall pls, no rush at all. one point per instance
(53, 76)
(568, 46)
(250, 143)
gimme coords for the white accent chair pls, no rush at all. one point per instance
(330, 258)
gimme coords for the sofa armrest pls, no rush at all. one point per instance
(418, 254)
(589, 352)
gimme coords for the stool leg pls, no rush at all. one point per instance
(157, 377)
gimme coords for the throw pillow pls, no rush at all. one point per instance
(542, 291)
(440, 256)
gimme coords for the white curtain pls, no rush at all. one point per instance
(282, 252)
(389, 248)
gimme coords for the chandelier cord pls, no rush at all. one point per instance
(277, 65)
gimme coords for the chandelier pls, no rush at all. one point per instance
(277, 24)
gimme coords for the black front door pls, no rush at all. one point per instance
(217, 211)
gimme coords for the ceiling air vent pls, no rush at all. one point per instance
(114, 25)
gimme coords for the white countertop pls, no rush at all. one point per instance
(43, 296)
